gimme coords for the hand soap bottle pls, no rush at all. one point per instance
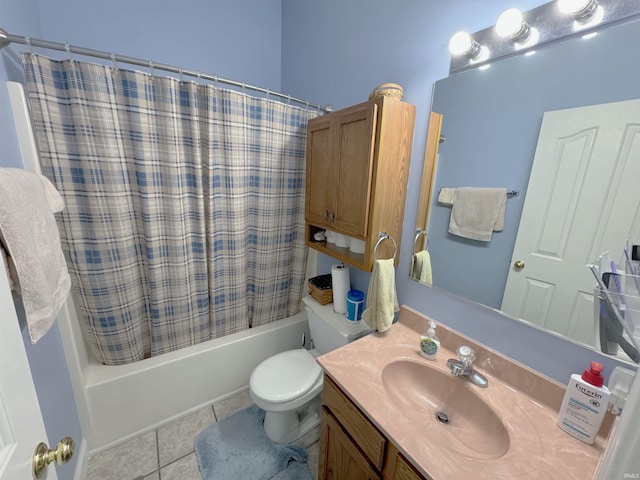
(429, 343)
(585, 404)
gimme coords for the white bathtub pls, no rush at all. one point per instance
(118, 402)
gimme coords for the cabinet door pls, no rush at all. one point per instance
(320, 194)
(355, 141)
(340, 459)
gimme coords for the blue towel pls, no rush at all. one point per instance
(237, 447)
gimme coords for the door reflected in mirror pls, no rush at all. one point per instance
(492, 119)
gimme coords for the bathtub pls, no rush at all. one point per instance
(119, 402)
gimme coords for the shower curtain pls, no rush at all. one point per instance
(184, 203)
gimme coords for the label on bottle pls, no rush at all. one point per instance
(428, 346)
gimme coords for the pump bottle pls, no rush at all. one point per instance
(585, 404)
(429, 343)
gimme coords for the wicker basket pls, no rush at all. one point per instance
(320, 289)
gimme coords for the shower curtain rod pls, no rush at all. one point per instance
(8, 38)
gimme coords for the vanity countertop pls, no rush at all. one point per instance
(526, 402)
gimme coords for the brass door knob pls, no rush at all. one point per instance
(43, 456)
(519, 265)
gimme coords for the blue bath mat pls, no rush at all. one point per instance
(236, 447)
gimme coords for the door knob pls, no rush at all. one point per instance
(519, 265)
(43, 455)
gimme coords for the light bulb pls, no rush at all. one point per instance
(582, 11)
(510, 23)
(462, 44)
(572, 6)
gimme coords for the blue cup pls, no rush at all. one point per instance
(355, 305)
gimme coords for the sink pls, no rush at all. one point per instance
(446, 406)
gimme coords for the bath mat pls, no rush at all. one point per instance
(236, 447)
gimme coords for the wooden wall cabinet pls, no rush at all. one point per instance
(357, 171)
(352, 448)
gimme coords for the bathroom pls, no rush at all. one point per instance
(331, 53)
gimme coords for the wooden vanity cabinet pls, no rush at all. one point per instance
(357, 170)
(352, 448)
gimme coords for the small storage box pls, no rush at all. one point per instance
(321, 289)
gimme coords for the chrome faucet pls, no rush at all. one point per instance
(463, 366)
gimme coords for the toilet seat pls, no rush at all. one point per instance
(285, 376)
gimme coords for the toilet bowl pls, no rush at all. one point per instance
(288, 388)
(288, 385)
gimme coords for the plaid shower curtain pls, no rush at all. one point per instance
(184, 203)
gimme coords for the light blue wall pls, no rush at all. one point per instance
(236, 39)
(336, 52)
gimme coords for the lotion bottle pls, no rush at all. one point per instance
(429, 343)
(584, 405)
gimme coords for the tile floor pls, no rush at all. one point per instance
(167, 453)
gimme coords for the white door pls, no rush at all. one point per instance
(21, 425)
(582, 200)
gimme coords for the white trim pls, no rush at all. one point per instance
(82, 462)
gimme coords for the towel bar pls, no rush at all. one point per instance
(382, 236)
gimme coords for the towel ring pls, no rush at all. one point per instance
(415, 240)
(382, 236)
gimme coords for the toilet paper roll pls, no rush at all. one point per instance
(356, 246)
(341, 284)
(342, 240)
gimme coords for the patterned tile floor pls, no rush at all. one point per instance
(167, 453)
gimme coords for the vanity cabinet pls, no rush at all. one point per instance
(352, 448)
(357, 170)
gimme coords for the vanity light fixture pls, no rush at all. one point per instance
(518, 32)
(582, 11)
(462, 44)
(512, 24)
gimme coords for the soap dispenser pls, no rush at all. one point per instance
(429, 343)
(584, 404)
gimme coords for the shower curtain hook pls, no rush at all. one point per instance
(114, 60)
(288, 99)
(27, 40)
(181, 75)
(151, 70)
(215, 82)
(67, 48)
(198, 76)
(266, 94)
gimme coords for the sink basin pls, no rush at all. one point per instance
(448, 407)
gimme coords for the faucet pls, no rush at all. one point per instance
(463, 366)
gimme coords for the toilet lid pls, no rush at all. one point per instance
(285, 376)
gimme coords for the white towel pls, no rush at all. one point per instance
(476, 212)
(421, 267)
(28, 227)
(382, 301)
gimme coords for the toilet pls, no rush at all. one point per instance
(288, 385)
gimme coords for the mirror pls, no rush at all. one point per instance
(491, 119)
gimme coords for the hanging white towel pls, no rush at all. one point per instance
(476, 212)
(28, 227)
(382, 301)
(421, 267)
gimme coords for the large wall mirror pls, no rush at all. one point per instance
(491, 119)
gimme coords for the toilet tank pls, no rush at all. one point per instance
(330, 330)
